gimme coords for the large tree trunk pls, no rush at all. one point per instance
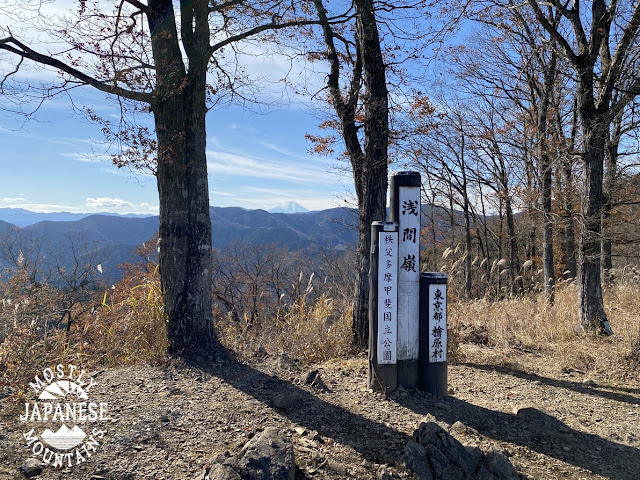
(185, 226)
(569, 220)
(591, 305)
(185, 229)
(371, 184)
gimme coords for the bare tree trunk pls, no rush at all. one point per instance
(513, 239)
(569, 224)
(467, 238)
(609, 188)
(591, 303)
(373, 181)
(569, 220)
(185, 226)
(368, 163)
(545, 180)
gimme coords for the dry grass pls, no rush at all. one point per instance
(310, 331)
(504, 329)
(129, 327)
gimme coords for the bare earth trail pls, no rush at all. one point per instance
(170, 422)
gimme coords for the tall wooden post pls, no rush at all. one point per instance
(383, 288)
(405, 210)
(433, 333)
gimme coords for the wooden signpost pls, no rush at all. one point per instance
(405, 209)
(407, 310)
(383, 301)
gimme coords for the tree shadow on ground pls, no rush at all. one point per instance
(380, 443)
(578, 387)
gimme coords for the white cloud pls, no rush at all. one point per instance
(148, 208)
(13, 200)
(247, 165)
(41, 207)
(117, 205)
(107, 203)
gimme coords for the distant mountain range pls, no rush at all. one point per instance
(23, 218)
(112, 238)
(115, 237)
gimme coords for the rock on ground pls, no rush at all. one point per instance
(437, 455)
(268, 456)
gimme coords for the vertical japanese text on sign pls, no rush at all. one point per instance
(387, 297)
(437, 323)
(409, 271)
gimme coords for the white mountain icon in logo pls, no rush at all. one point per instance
(58, 390)
(64, 438)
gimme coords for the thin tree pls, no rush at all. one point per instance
(368, 157)
(600, 41)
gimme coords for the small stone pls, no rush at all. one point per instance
(310, 377)
(531, 414)
(313, 378)
(285, 362)
(32, 466)
(589, 382)
(268, 456)
(261, 352)
(300, 431)
(336, 467)
(459, 427)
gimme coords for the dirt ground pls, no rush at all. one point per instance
(169, 422)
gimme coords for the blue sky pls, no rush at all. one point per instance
(53, 163)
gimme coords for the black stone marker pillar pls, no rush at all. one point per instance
(433, 333)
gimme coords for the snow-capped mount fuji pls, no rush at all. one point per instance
(289, 207)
